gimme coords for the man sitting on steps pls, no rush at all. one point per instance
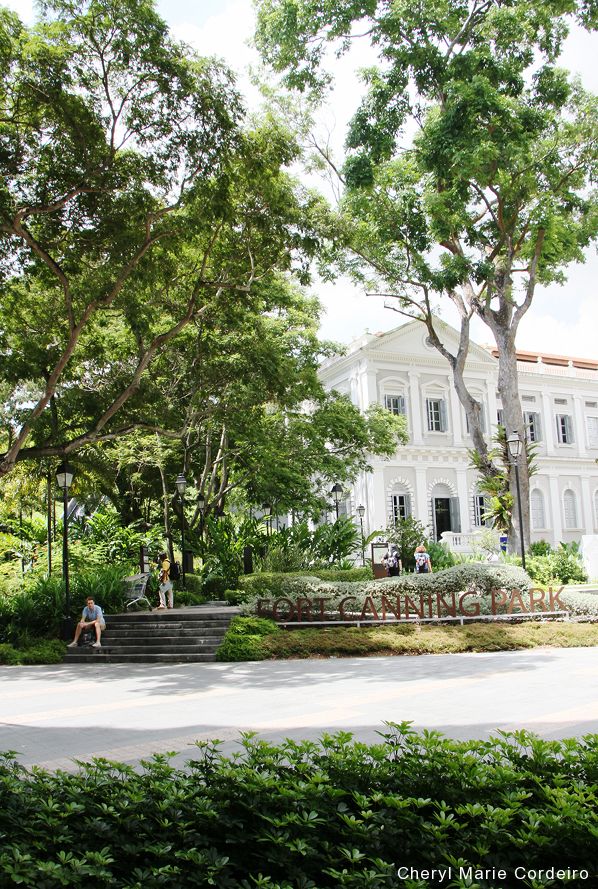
(91, 616)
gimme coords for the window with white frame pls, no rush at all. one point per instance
(533, 426)
(570, 509)
(564, 429)
(400, 506)
(592, 423)
(537, 510)
(480, 508)
(395, 404)
(436, 414)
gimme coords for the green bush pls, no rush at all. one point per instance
(440, 555)
(540, 548)
(331, 814)
(562, 565)
(242, 641)
(406, 534)
(480, 579)
(47, 651)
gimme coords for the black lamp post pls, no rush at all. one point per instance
(181, 486)
(201, 506)
(361, 513)
(64, 478)
(515, 447)
(337, 493)
(267, 510)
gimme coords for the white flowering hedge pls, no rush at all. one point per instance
(369, 598)
(580, 602)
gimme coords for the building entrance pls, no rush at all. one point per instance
(446, 515)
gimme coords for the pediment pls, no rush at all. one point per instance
(409, 341)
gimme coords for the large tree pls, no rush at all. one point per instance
(491, 196)
(132, 198)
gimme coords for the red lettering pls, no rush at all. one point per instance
(441, 602)
(322, 612)
(300, 603)
(396, 609)
(515, 598)
(419, 611)
(555, 601)
(369, 601)
(501, 601)
(536, 597)
(341, 607)
(291, 613)
(476, 608)
(260, 609)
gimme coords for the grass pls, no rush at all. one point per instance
(412, 639)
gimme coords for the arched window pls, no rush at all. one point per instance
(537, 510)
(570, 509)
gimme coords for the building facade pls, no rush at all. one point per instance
(431, 477)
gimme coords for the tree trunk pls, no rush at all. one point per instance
(508, 388)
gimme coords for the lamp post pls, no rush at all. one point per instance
(181, 486)
(515, 448)
(267, 510)
(64, 478)
(361, 513)
(337, 493)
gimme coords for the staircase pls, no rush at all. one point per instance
(183, 635)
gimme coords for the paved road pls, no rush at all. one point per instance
(53, 715)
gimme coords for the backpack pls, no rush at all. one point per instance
(393, 561)
(175, 571)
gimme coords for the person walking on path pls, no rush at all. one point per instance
(166, 585)
(423, 565)
(91, 616)
(392, 561)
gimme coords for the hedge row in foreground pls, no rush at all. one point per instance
(333, 813)
(256, 639)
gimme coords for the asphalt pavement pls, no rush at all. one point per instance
(53, 716)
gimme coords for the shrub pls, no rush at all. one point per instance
(406, 534)
(332, 813)
(45, 652)
(580, 603)
(440, 555)
(8, 654)
(467, 577)
(243, 639)
(540, 548)
(562, 565)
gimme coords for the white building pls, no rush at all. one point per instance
(431, 477)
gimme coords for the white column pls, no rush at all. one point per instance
(463, 494)
(368, 388)
(555, 509)
(580, 429)
(456, 417)
(377, 505)
(421, 497)
(415, 409)
(587, 515)
(548, 424)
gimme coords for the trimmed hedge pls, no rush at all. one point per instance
(244, 637)
(333, 813)
(480, 579)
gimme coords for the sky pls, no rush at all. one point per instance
(563, 319)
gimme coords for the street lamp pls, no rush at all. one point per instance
(515, 448)
(181, 486)
(361, 513)
(64, 478)
(337, 494)
(267, 510)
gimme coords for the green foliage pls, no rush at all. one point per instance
(47, 651)
(407, 534)
(563, 565)
(440, 555)
(243, 639)
(35, 610)
(103, 532)
(330, 813)
(580, 602)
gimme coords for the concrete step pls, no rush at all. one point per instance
(165, 649)
(165, 633)
(160, 645)
(101, 657)
(174, 614)
(167, 626)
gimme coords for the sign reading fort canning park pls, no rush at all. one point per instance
(425, 606)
